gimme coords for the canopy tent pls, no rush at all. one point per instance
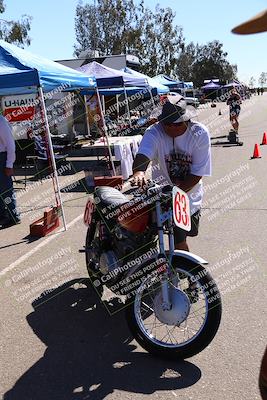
(211, 86)
(110, 82)
(187, 85)
(234, 83)
(153, 83)
(110, 78)
(167, 81)
(130, 90)
(23, 72)
(211, 90)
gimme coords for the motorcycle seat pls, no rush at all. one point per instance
(110, 196)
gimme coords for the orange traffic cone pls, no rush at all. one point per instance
(256, 153)
(264, 139)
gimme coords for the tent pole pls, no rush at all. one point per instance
(104, 106)
(151, 96)
(87, 116)
(48, 133)
(105, 132)
(127, 105)
(118, 106)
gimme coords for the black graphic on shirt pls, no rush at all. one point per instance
(178, 164)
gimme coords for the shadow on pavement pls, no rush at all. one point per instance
(27, 239)
(89, 354)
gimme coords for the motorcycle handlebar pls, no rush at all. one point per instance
(152, 188)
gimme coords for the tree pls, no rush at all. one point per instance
(199, 62)
(121, 27)
(108, 26)
(263, 79)
(210, 62)
(15, 31)
(185, 62)
(160, 43)
(252, 82)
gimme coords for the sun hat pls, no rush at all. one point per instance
(176, 110)
(254, 25)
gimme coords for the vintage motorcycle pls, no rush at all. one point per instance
(172, 304)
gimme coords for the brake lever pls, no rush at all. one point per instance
(154, 189)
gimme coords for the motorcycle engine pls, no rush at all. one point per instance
(108, 262)
(118, 248)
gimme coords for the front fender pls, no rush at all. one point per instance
(189, 256)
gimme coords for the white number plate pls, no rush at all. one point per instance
(181, 209)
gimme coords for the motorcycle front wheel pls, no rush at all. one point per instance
(194, 295)
(92, 239)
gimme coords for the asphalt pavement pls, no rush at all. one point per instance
(64, 345)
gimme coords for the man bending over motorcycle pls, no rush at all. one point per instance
(180, 152)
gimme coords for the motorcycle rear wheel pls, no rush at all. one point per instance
(145, 325)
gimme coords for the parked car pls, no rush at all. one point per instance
(192, 101)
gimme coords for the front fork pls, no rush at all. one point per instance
(161, 218)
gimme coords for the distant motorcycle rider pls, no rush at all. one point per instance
(234, 102)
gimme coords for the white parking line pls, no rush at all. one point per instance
(38, 247)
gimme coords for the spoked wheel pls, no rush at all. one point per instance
(91, 258)
(191, 323)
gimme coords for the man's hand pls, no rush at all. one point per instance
(9, 171)
(139, 179)
(140, 165)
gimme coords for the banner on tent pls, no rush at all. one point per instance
(93, 111)
(19, 108)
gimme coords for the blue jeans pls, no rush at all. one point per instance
(7, 194)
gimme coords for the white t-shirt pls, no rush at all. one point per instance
(178, 157)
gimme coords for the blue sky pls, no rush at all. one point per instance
(53, 33)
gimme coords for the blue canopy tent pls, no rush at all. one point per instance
(233, 84)
(153, 83)
(22, 72)
(118, 90)
(187, 85)
(167, 81)
(211, 86)
(211, 89)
